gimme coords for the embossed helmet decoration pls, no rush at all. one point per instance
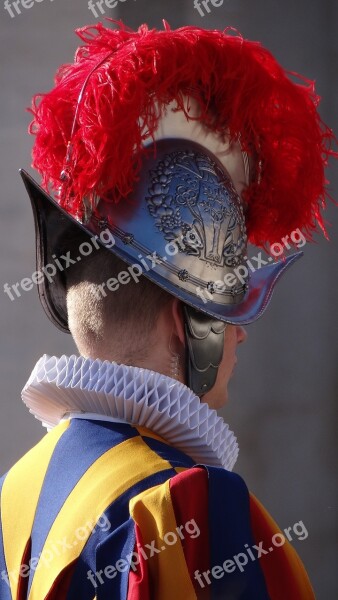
(183, 144)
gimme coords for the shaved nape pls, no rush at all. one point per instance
(115, 325)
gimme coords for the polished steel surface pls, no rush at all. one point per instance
(186, 209)
(183, 227)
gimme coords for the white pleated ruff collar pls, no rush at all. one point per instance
(78, 387)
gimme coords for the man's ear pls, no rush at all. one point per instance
(178, 320)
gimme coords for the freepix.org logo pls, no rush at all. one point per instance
(143, 553)
(14, 8)
(98, 7)
(241, 560)
(146, 264)
(60, 263)
(56, 548)
(241, 273)
(203, 6)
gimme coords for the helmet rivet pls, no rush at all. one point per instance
(103, 223)
(127, 238)
(183, 275)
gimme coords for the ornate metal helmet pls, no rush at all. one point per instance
(176, 205)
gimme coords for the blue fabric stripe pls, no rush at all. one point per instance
(175, 457)
(5, 592)
(230, 530)
(80, 446)
(119, 545)
(116, 513)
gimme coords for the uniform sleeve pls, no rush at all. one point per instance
(201, 535)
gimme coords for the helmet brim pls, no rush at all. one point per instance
(51, 221)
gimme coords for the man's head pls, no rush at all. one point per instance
(117, 325)
(137, 324)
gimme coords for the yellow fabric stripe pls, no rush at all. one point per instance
(152, 510)
(148, 433)
(19, 498)
(110, 476)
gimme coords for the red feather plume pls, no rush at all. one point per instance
(237, 80)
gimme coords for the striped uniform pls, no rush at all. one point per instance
(107, 511)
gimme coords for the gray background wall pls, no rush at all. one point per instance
(284, 395)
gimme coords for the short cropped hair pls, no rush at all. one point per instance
(116, 324)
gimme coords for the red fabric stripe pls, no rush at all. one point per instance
(283, 570)
(138, 584)
(189, 495)
(23, 580)
(60, 587)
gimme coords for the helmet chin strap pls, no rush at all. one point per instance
(205, 344)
